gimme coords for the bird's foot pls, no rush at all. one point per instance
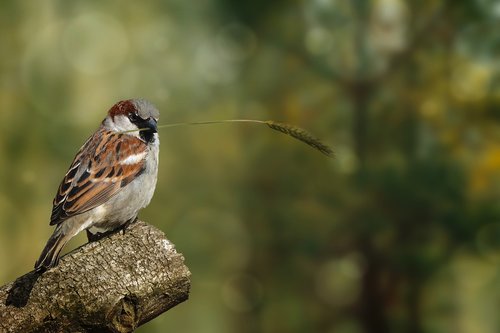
(125, 225)
(92, 237)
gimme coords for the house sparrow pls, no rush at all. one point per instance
(112, 177)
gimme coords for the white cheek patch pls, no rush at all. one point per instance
(122, 123)
(119, 123)
(133, 159)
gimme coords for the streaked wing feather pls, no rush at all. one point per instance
(96, 174)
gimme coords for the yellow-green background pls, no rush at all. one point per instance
(399, 233)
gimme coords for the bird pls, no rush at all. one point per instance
(111, 178)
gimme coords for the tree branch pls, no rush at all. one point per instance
(112, 285)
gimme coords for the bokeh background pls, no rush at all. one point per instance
(399, 233)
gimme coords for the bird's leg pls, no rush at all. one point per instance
(126, 224)
(121, 229)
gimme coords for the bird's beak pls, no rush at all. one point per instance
(151, 124)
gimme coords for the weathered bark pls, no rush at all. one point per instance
(112, 285)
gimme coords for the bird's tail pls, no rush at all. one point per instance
(50, 254)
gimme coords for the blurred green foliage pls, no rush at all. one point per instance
(399, 233)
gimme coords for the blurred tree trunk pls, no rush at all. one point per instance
(360, 93)
(372, 298)
(112, 285)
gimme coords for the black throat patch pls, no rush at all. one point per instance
(147, 135)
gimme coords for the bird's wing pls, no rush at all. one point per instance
(107, 162)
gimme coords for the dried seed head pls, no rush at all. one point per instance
(302, 135)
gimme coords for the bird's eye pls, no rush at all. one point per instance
(133, 117)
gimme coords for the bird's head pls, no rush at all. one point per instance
(133, 114)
